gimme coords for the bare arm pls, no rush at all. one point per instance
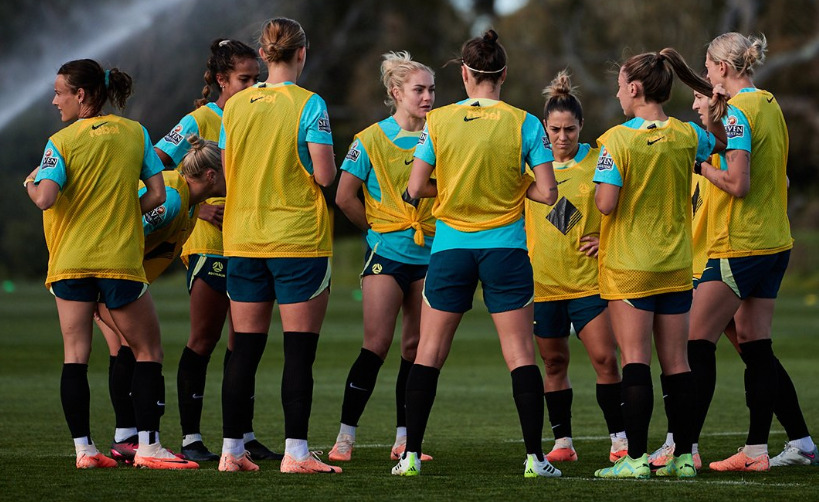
(420, 186)
(154, 195)
(347, 200)
(44, 193)
(544, 189)
(324, 163)
(606, 197)
(736, 180)
(166, 159)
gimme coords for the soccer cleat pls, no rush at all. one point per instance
(535, 468)
(680, 467)
(125, 450)
(626, 467)
(661, 456)
(258, 451)
(562, 455)
(310, 465)
(198, 452)
(742, 462)
(343, 449)
(408, 465)
(792, 455)
(400, 446)
(233, 463)
(154, 456)
(619, 449)
(98, 461)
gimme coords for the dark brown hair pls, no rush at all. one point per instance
(281, 38)
(100, 85)
(224, 54)
(484, 56)
(561, 97)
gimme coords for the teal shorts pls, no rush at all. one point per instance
(554, 319)
(403, 273)
(749, 276)
(286, 280)
(211, 269)
(114, 293)
(505, 275)
(665, 303)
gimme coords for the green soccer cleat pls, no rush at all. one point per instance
(680, 467)
(539, 468)
(627, 467)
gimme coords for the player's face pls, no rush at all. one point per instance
(700, 106)
(713, 71)
(66, 100)
(417, 95)
(623, 94)
(563, 129)
(244, 74)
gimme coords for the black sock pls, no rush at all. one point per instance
(669, 412)
(422, 384)
(401, 393)
(297, 382)
(120, 379)
(638, 402)
(679, 404)
(190, 387)
(76, 399)
(148, 393)
(786, 407)
(239, 382)
(359, 386)
(228, 352)
(527, 389)
(761, 384)
(559, 406)
(609, 397)
(702, 358)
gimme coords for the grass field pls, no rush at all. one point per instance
(473, 433)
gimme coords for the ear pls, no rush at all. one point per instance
(634, 88)
(464, 73)
(222, 79)
(261, 54)
(503, 77)
(723, 68)
(80, 95)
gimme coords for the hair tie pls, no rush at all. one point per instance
(473, 70)
(107, 79)
(224, 43)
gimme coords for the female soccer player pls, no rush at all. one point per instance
(749, 248)
(563, 241)
(166, 230)
(232, 67)
(644, 187)
(278, 153)
(399, 237)
(95, 254)
(479, 148)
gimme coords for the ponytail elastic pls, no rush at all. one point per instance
(107, 78)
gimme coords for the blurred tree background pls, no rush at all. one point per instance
(164, 44)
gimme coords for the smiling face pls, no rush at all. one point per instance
(244, 74)
(66, 100)
(417, 95)
(563, 129)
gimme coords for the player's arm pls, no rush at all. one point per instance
(544, 188)
(166, 159)
(606, 197)
(324, 164)
(420, 185)
(347, 200)
(154, 195)
(736, 180)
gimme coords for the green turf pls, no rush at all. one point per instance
(473, 432)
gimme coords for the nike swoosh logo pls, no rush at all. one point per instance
(651, 142)
(470, 119)
(97, 126)
(564, 181)
(198, 396)
(253, 100)
(353, 386)
(160, 403)
(408, 162)
(770, 100)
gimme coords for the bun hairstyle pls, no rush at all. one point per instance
(99, 85)
(655, 71)
(484, 56)
(281, 38)
(739, 52)
(395, 69)
(224, 54)
(562, 97)
(203, 155)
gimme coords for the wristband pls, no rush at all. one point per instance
(27, 181)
